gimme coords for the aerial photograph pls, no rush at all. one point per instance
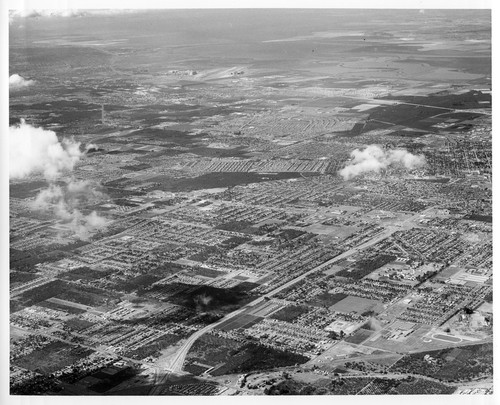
(250, 202)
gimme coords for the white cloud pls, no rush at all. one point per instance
(33, 13)
(66, 202)
(374, 159)
(18, 82)
(63, 12)
(36, 150)
(90, 146)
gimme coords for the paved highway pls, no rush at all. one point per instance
(179, 358)
(178, 361)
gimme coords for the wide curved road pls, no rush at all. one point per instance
(180, 356)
